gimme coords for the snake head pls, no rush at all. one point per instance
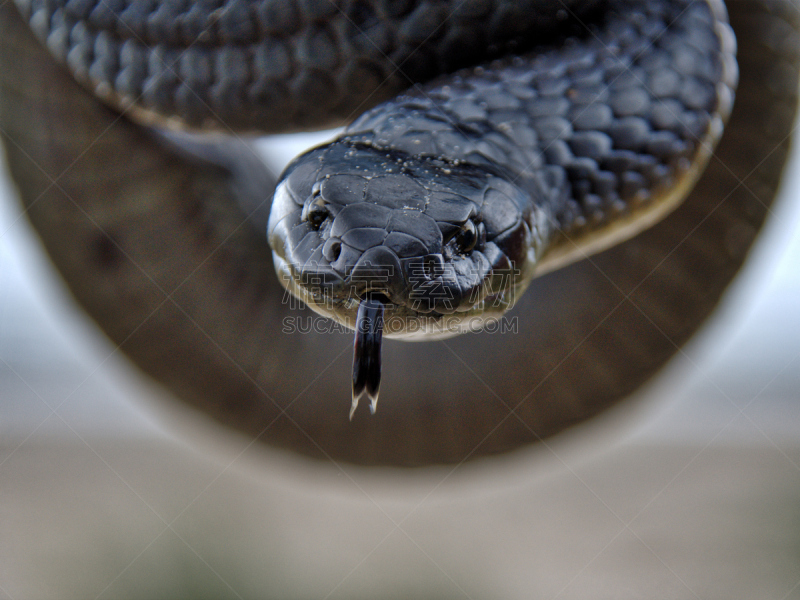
(444, 246)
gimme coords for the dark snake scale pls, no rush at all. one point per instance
(576, 187)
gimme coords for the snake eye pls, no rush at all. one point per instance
(315, 213)
(467, 237)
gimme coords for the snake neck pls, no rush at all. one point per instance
(612, 127)
(550, 157)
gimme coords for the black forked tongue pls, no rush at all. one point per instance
(367, 351)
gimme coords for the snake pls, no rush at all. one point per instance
(578, 181)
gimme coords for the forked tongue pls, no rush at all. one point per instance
(367, 353)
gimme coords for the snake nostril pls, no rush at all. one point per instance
(332, 249)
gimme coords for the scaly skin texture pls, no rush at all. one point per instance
(278, 65)
(550, 156)
(156, 250)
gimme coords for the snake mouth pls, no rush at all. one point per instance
(406, 316)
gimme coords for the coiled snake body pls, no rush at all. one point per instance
(154, 244)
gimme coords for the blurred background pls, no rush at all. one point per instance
(690, 490)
